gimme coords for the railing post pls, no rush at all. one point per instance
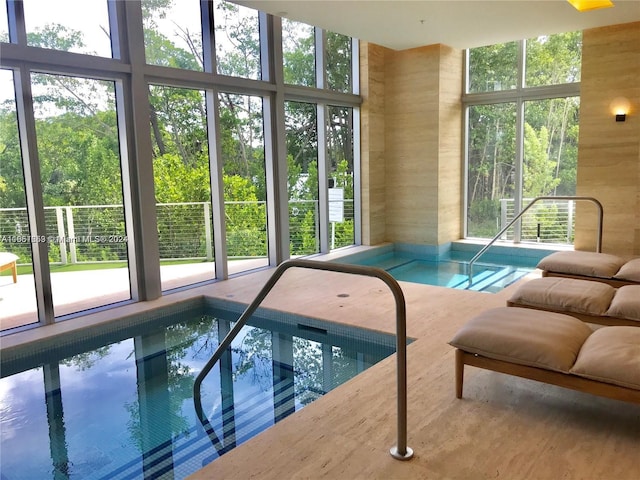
(72, 235)
(570, 206)
(503, 213)
(316, 226)
(207, 230)
(62, 241)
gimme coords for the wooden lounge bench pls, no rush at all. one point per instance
(590, 301)
(552, 348)
(8, 261)
(602, 267)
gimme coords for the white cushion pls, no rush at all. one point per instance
(611, 355)
(626, 303)
(590, 264)
(630, 271)
(565, 295)
(524, 336)
(6, 258)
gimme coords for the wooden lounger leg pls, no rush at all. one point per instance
(14, 272)
(459, 372)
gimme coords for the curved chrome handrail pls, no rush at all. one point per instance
(401, 451)
(517, 217)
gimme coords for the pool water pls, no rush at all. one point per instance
(491, 275)
(123, 408)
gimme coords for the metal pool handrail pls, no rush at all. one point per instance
(401, 451)
(517, 217)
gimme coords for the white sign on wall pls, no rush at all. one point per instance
(336, 205)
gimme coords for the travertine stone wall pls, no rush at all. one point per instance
(411, 144)
(372, 143)
(412, 149)
(609, 151)
(450, 151)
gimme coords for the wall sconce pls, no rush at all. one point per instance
(620, 108)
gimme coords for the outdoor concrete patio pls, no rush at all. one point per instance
(81, 290)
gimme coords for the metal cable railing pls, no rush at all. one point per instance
(524, 210)
(401, 451)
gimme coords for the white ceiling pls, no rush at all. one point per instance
(400, 24)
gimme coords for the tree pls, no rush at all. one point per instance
(551, 127)
(539, 178)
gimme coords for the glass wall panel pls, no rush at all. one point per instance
(491, 166)
(243, 166)
(78, 147)
(17, 295)
(182, 185)
(338, 62)
(173, 34)
(544, 163)
(549, 168)
(237, 35)
(80, 26)
(493, 68)
(340, 158)
(554, 59)
(4, 23)
(302, 162)
(77, 136)
(298, 51)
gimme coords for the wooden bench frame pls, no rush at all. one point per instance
(14, 269)
(566, 380)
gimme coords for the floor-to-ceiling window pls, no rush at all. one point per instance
(522, 104)
(15, 231)
(155, 145)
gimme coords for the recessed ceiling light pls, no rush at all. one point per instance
(586, 5)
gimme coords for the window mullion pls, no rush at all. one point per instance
(323, 174)
(147, 261)
(519, 168)
(275, 144)
(217, 184)
(321, 57)
(33, 191)
(519, 161)
(17, 28)
(208, 37)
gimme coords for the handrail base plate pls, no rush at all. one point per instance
(398, 456)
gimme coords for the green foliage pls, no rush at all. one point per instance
(539, 171)
(56, 37)
(240, 30)
(493, 67)
(298, 45)
(79, 151)
(482, 217)
(338, 62)
(550, 127)
(554, 59)
(175, 182)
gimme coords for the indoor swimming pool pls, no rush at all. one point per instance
(118, 404)
(491, 273)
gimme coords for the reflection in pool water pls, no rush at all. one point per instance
(121, 407)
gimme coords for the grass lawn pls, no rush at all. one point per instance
(77, 267)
